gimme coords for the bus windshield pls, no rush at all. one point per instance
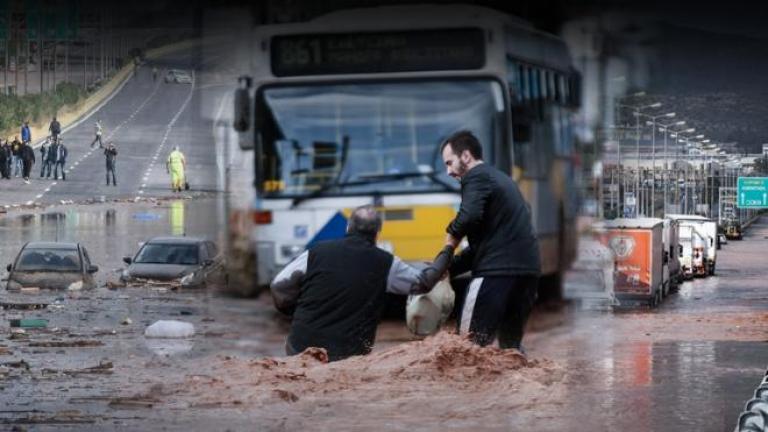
(345, 139)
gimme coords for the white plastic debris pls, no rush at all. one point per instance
(170, 329)
(425, 313)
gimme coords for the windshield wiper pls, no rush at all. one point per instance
(336, 181)
(373, 179)
(380, 178)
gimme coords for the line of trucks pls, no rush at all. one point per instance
(651, 257)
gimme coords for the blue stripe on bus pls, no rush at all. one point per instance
(335, 228)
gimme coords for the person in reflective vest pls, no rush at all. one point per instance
(175, 166)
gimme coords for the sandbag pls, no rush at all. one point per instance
(426, 313)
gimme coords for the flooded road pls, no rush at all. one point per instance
(689, 365)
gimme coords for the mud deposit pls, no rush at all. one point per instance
(441, 381)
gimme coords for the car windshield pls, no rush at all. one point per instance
(168, 253)
(370, 137)
(57, 260)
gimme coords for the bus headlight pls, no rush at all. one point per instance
(291, 251)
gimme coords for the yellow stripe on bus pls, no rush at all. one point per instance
(418, 232)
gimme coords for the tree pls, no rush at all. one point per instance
(761, 165)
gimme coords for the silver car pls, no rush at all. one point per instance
(189, 261)
(178, 76)
(54, 265)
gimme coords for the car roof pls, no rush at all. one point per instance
(51, 245)
(176, 240)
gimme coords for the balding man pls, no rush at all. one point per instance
(336, 291)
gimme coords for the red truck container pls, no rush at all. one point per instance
(637, 245)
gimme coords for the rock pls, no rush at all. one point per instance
(285, 395)
(127, 321)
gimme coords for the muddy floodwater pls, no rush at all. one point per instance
(688, 365)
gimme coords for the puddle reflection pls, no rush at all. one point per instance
(112, 231)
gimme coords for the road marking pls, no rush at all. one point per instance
(114, 130)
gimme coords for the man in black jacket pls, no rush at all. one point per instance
(336, 291)
(503, 252)
(110, 155)
(27, 155)
(54, 128)
(58, 157)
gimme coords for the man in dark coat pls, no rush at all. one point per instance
(110, 154)
(503, 252)
(336, 291)
(27, 155)
(58, 155)
(54, 128)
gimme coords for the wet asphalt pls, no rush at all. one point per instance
(617, 379)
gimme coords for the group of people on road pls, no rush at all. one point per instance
(53, 157)
(336, 290)
(17, 157)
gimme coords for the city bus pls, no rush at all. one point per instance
(351, 108)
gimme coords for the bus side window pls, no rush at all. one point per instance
(521, 138)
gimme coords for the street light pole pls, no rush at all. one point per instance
(653, 157)
(680, 139)
(637, 111)
(665, 173)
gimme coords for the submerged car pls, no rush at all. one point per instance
(52, 265)
(178, 77)
(189, 261)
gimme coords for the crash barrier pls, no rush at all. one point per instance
(751, 220)
(754, 418)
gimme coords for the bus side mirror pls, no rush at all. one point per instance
(243, 121)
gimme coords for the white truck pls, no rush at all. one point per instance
(673, 276)
(693, 254)
(707, 228)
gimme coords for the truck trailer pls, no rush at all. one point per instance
(638, 248)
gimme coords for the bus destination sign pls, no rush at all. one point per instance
(402, 51)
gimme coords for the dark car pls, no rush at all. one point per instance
(52, 265)
(192, 262)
